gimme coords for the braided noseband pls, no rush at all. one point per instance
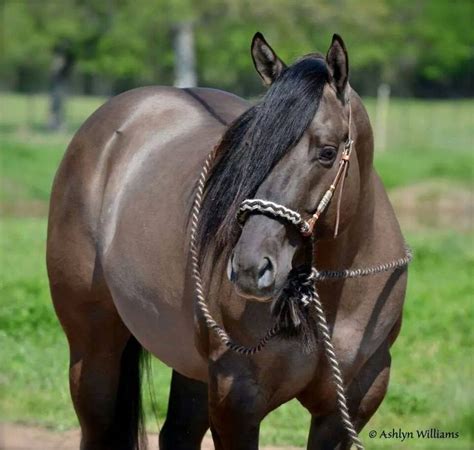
(271, 209)
(307, 296)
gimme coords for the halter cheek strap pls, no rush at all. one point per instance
(326, 199)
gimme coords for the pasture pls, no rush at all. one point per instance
(429, 144)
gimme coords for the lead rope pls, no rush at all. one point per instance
(199, 289)
(271, 208)
(336, 372)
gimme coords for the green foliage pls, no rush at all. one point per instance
(441, 57)
(401, 42)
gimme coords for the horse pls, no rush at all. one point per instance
(120, 267)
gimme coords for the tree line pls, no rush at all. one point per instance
(418, 47)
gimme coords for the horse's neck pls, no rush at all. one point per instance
(373, 237)
(340, 253)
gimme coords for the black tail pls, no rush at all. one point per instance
(129, 426)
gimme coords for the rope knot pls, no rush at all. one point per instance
(292, 308)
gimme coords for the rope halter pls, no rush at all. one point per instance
(306, 227)
(271, 209)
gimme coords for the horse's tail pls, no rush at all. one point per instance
(129, 421)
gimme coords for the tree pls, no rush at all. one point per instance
(415, 46)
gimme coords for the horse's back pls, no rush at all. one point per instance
(120, 206)
(118, 130)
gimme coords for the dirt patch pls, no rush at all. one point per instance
(31, 208)
(23, 437)
(434, 204)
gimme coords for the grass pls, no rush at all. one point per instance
(417, 125)
(28, 114)
(430, 360)
(432, 364)
(405, 166)
(27, 170)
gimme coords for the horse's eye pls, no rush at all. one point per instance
(327, 155)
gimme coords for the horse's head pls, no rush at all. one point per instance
(286, 149)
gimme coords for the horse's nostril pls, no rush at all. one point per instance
(264, 266)
(230, 268)
(266, 273)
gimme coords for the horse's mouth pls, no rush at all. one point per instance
(254, 297)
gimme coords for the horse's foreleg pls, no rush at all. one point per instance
(365, 394)
(187, 419)
(236, 407)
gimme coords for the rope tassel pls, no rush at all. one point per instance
(292, 309)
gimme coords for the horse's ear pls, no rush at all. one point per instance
(338, 63)
(269, 66)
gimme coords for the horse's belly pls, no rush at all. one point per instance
(144, 249)
(145, 256)
(164, 330)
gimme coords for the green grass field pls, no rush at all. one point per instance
(431, 383)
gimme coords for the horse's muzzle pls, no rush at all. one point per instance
(252, 279)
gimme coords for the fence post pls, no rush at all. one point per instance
(381, 116)
(184, 55)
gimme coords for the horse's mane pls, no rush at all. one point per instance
(255, 142)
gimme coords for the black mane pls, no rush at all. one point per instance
(255, 142)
